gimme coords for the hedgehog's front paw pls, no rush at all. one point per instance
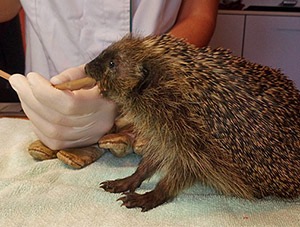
(145, 201)
(120, 185)
(114, 186)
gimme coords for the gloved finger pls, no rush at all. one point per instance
(56, 144)
(50, 121)
(56, 125)
(89, 126)
(44, 116)
(57, 129)
(18, 81)
(21, 86)
(69, 74)
(60, 136)
(31, 106)
(38, 112)
(65, 102)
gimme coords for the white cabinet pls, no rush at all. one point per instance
(272, 40)
(229, 33)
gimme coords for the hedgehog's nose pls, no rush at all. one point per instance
(87, 70)
(93, 70)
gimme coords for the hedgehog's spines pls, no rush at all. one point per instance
(228, 122)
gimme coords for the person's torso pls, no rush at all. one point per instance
(63, 34)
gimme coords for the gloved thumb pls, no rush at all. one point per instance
(18, 82)
(68, 75)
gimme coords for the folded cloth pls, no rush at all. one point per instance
(49, 193)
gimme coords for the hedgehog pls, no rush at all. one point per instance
(207, 116)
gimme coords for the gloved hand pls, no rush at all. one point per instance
(63, 119)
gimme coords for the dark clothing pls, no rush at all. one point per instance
(12, 57)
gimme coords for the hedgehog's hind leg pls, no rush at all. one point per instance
(145, 170)
(166, 189)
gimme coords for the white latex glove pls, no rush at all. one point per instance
(63, 119)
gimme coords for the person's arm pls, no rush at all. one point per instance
(196, 21)
(9, 9)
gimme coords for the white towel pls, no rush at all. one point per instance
(49, 193)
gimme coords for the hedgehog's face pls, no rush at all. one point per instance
(118, 73)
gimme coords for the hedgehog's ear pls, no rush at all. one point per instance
(145, 72)
(144, 82)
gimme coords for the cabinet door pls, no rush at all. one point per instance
(274, 41)
(229, 33)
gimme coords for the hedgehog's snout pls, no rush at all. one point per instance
(93, 69)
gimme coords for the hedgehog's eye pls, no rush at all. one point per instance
(111, 64)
